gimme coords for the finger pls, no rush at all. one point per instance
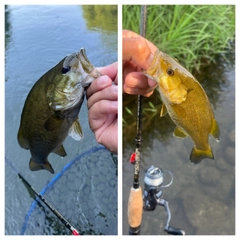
(129, 67)
(110, 70)
(98, 84)
(138, 84)
(136, 80)
(137, 49)
(116, 79)
(130, 34)
(99, 112)
(105, 131)
(108, 93)
(138, 91)
(103, 122)
(140, 80)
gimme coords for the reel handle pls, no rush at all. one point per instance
(174, 231)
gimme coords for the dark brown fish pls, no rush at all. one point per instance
(51, 109)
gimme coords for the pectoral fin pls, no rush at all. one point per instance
(215, 131)
(39, 166)
(76, 131)
(163, 110)
(61, 151)
(180, 133)
(197, 155)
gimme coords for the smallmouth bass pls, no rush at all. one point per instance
(187, 104)
(51, 109)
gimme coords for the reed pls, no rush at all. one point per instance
(194, 34)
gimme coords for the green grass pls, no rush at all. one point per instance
(194, 34)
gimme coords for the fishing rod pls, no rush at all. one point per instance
(135, 202)
(63, 220)
(154, 176)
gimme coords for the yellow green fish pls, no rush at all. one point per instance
(51, 109)
(186, 103)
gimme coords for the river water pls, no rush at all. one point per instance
(202, 196)
(37, 38)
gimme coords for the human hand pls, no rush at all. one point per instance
(138, 54)
(102, 103)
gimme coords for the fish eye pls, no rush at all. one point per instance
(65, 70)
(170, 72)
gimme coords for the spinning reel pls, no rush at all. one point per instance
(153, 190)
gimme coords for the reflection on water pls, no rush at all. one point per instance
(7, 27)
(96, 16)
(213, 77)
(37, 38)
(201, 198)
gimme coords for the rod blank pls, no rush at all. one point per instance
(63, 220)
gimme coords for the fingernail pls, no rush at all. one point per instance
(152, 83)
(150, 59)
(102, 80)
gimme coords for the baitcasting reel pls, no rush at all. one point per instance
(152, 195)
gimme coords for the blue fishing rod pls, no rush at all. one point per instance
(52, 209)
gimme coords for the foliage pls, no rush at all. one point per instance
(101, 16)
(193, 34)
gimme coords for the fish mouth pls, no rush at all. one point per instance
(155, 70)
(82, 55)
(86, 64)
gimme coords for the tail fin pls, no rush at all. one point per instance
(39, 166)
(197, 155)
